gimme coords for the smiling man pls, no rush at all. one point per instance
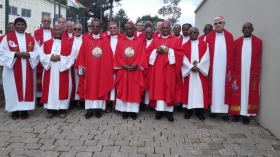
(221, 48)
(68, 33)
(246, 80)
(95, 67)
(19, 54)
(165, 80)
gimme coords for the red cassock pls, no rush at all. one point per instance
(165, 80)
(29, 90)
(141, 36)
(66, 36)
(156, 34)
(96, 57)
(66, 47)
(254, 82)
(130, 84)
(39, 36)
(202, 49)
(210, 39)
(105, 34)
(201, 38)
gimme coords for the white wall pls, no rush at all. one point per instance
(265, 17)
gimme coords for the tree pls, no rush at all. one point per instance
(121, 18)
(171, 11)
(153, 19)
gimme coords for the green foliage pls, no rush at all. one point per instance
(121, 18)
(153, 19)
(171, 11)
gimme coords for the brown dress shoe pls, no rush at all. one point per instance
(62, 115)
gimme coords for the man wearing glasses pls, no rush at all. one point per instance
(77, 42)
(207, 29)
(246, 80)
(221, 48)
(41, 35)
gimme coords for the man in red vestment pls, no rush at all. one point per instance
(246, 79)
(61, 21)
(158, 31)
(130, 63)
(195, 70)
(68, 33)
(41, 35)
(11, 28)
(114, 37)
(207, 29)
(165, 79)
(177, 31)
(139, 31)
(56, 58)
(185, 30)
(19, 56)
(221, 48)
(95, 70)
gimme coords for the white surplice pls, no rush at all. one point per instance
(195, 97)
(138, 33)
(94, 104)
(185, 39)
(75, 50)
(160, 104)
(47, 35)
(146, 94)
(219, 75)
(113, 44)
(64, 64)
(8, 60)
(245, 75)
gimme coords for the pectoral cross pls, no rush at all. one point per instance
(30, 46)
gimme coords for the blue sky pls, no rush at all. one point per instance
(137, 8)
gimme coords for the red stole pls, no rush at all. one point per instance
(66, 47)
(39, 37)
(201, 38)
(130, 84)
(66, 36)
(168, 87)
(254, 82)
(202, 48)
(156, 35)
(210, 39)
(29, 90)
(98, 80)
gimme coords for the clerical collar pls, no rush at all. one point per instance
(165, 36)
(186, 36)
(57, 39)
(46, 29)
(248, 37)
(219, 32)
(130, 38)
(194, 41)
(149, 40)
(96, 36)
(19, 33)
(115, 36)
(79, 37)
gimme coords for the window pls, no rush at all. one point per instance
(25, 12)
(12, 10)
(46, 13)
(56, 17)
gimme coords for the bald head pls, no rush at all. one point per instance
(149, 33)
(193, 33)
(207, 29)
(176, 30)
(247, 29)
(69, 26)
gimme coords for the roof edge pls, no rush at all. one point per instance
(58, 3)
(199, 6)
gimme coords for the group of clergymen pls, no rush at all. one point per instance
(60, 66)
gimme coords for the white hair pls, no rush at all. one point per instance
(219, 17)
(194, 28)
(77, 23)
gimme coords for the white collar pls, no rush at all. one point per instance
(79, 37)
(130, 38)
(194, 41)
(115, 36)
(164, 37)
(20, 34)
(96, 36)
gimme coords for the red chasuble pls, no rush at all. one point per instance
(202, 48)
(66, 47)
(210, 39)
(96, 57)
(156, 35)
(201, 38)
(165, 80)
(39, 36)
(254, 82)
(141, 36)
(29, 90)
(66, 36)
(130, 84)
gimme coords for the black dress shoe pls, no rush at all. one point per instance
(125, 115)
(82, 105)
(88, 115)
(212, 115)
(24, 114)
(187, 116)
(225, 118)
(159, 115)
(179, 107)
(133, 115)
(201, 117)
(98, 113)
(246, 120)
(142, 107)
(15, 115)
(38, 104)
(170, 116)
(235, 118)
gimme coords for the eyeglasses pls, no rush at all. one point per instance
(207, 29)
(46, 21)
(77, 29)
(113, 27)
(95, 26)
(192, 32)
(246, 28)
(218, 23)
(89, 26)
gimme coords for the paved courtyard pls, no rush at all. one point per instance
(111, 136)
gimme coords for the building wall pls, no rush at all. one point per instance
(36, 7)
(265, 17)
